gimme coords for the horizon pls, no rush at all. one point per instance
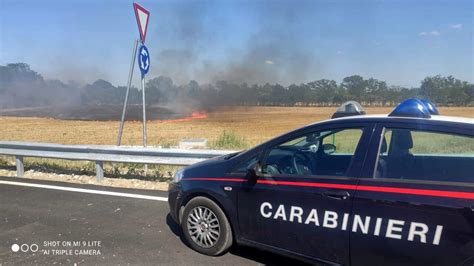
(78, 85)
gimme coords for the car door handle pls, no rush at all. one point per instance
(337, 194)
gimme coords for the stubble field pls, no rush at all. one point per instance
(253, 124)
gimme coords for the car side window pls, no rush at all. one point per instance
(425, 155)
(248, 164)
(327, 153)
(345, 141)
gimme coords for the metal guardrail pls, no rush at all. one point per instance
(102, 153)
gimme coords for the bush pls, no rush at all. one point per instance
(229, 140)
(162, 173)
(57, 166)
(5, 162)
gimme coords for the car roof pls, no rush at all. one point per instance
(453, 119)
(384, 117)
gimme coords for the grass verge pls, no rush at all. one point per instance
(229, 140)
(160, 173)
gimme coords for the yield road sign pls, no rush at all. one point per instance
(142, 16)
(143, 59)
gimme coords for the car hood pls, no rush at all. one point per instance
(216, 166)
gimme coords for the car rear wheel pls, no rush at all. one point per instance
(206, 227)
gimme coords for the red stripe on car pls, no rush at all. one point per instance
(408, 191)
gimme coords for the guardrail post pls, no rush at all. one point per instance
(99, 170)
(20, 167)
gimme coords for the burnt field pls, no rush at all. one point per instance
(95, 112)
(253, 124)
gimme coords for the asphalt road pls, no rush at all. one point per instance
(66, 227)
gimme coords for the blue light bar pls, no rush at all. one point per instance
(349, 108)
(411, 108)
(430, 106)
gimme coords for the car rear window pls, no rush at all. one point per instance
(425, 155)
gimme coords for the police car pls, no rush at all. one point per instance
(356, 190)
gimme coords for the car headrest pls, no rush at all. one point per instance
(383, 148)
(401, 140)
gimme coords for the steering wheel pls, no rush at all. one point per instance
(306, 158)
(290, 164)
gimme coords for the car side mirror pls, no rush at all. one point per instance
(329, 148)
(254, 173)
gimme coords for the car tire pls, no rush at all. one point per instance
(205, 227)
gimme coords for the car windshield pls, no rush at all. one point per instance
(308, 140)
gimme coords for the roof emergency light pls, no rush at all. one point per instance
(415, 108)
(430, 106)
(349, 108)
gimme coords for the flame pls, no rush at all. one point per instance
(194, 115)
(198, 115)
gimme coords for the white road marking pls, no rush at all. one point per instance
(82, 190)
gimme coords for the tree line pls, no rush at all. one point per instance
(447, 91)
(22, 87)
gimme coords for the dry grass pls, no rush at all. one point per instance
(254, 124)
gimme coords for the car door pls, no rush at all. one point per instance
(299, 205)
(417, 192)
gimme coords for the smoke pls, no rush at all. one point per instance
(22, 87)
(275, 51)
(270, 60)
(24, 92)
(186, 26)
(207, 46)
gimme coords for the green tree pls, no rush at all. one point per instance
(355, 86)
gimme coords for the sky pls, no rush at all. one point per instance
(254, 41)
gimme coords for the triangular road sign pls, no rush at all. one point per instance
(142, 16)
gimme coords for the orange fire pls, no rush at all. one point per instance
(198, 115)
(194, 115)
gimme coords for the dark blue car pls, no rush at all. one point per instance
(356, 190)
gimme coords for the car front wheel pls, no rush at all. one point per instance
(206, 227)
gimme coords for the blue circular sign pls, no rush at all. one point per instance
(143, 59)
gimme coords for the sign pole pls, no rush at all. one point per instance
(144, 112)
(144, 119)
(144, 64)
(130, 76)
